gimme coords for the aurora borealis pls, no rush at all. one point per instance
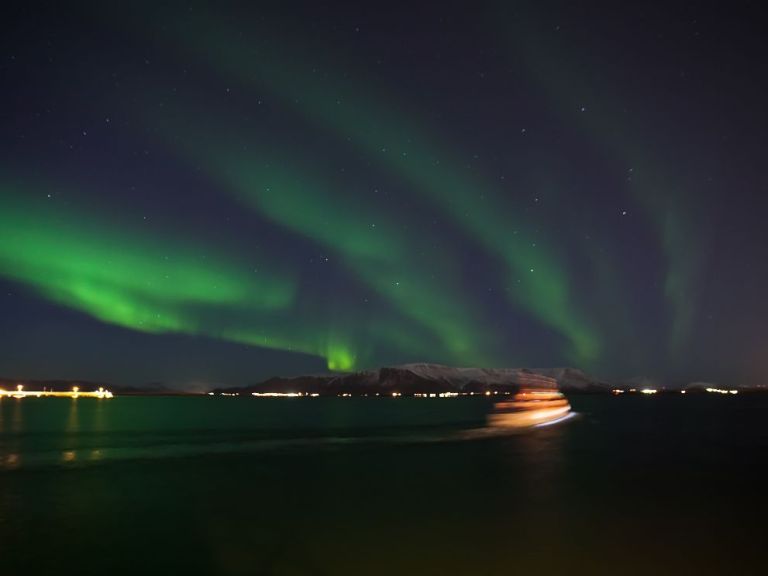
(193, 194)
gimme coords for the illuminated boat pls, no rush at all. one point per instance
(538, 402)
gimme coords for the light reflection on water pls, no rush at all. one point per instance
(73, 423)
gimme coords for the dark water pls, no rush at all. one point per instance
(634, 485)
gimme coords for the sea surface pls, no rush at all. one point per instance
(373, 486)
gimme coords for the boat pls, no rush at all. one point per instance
(538, 402)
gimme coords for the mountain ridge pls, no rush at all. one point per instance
(419, 378)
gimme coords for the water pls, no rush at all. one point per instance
(633, 485)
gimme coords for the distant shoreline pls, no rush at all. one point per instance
(408, 380)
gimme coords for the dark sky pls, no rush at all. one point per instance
(215, 194)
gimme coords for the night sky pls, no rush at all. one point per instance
(207, 195)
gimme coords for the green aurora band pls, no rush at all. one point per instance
(307, 203)
(124, 277)
(559, 73)
(534, 272)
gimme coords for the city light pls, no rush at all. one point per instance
(20, 392)
(284, 394)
